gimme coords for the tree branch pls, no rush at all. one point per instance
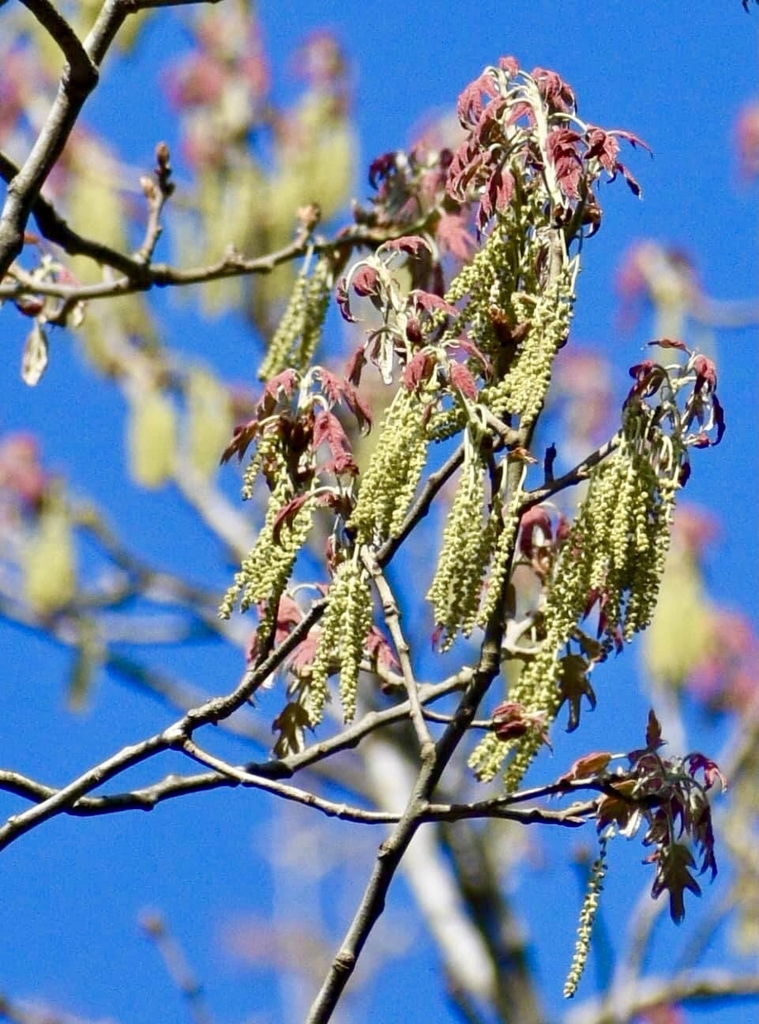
(393, 621)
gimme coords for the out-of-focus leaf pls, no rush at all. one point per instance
(291, 724)
(678, 639)
(35, 357)
(152, 438)
(210, 420)
(86, 663)
(50, 562)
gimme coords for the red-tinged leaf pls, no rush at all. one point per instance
(340, 389)
(452, 236)
(589, 766)
(631, 181)
(510, 65)
(653, 732)
(554, 90)
(287, 514)
(535, 518)
(355, 366)
(343, 301)
(243, 435)
(418, 370)
(706, 374)
(328, 430)
(359, 408)
(381, 167)
(333, 386)
(304, 654)
(698, 763)
(634, 140)
(463, 380)
(283, 385)
(719, 418)
(574, 684)
(673, 864)
(379, 650)
(365, 282)
(603, 147)
(410, 244)
(511, 721)
(620, 809)
(430, 302)
(470, 104)
(502, 184)
(465, 345)
(288, 613)
(521, 454)
(670, 343)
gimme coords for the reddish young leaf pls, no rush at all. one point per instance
(697, 762)
(418, 369)
(243, 435)
(452, 236)
(411, 244)
(365, 281)
(329, 430)
(355, 366)
(285, 383)
(287, 514)
(706, 374)
(670, 343)
(379, 650)
(462, 379)
(653, 732)
(430, 302)
(589, 766)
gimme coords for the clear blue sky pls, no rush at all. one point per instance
(673, 72)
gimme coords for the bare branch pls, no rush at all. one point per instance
(645, 994)
(573, 477)
(177, 967)
(81, 66)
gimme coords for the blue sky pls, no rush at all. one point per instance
(672, 72)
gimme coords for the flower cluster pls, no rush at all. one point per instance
(610, 562)
(294, 423)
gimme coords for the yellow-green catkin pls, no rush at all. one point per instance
(467, 544)
(522, 391)
(503, 553)
(345, 626)
(265, 570)
(300, 328)
(616, 547)
(389, 483)
(588, 913)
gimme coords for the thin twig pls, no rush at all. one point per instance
(393, 620)
(300, 796)
(81, 66)
(177, 967)
(574, 476)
